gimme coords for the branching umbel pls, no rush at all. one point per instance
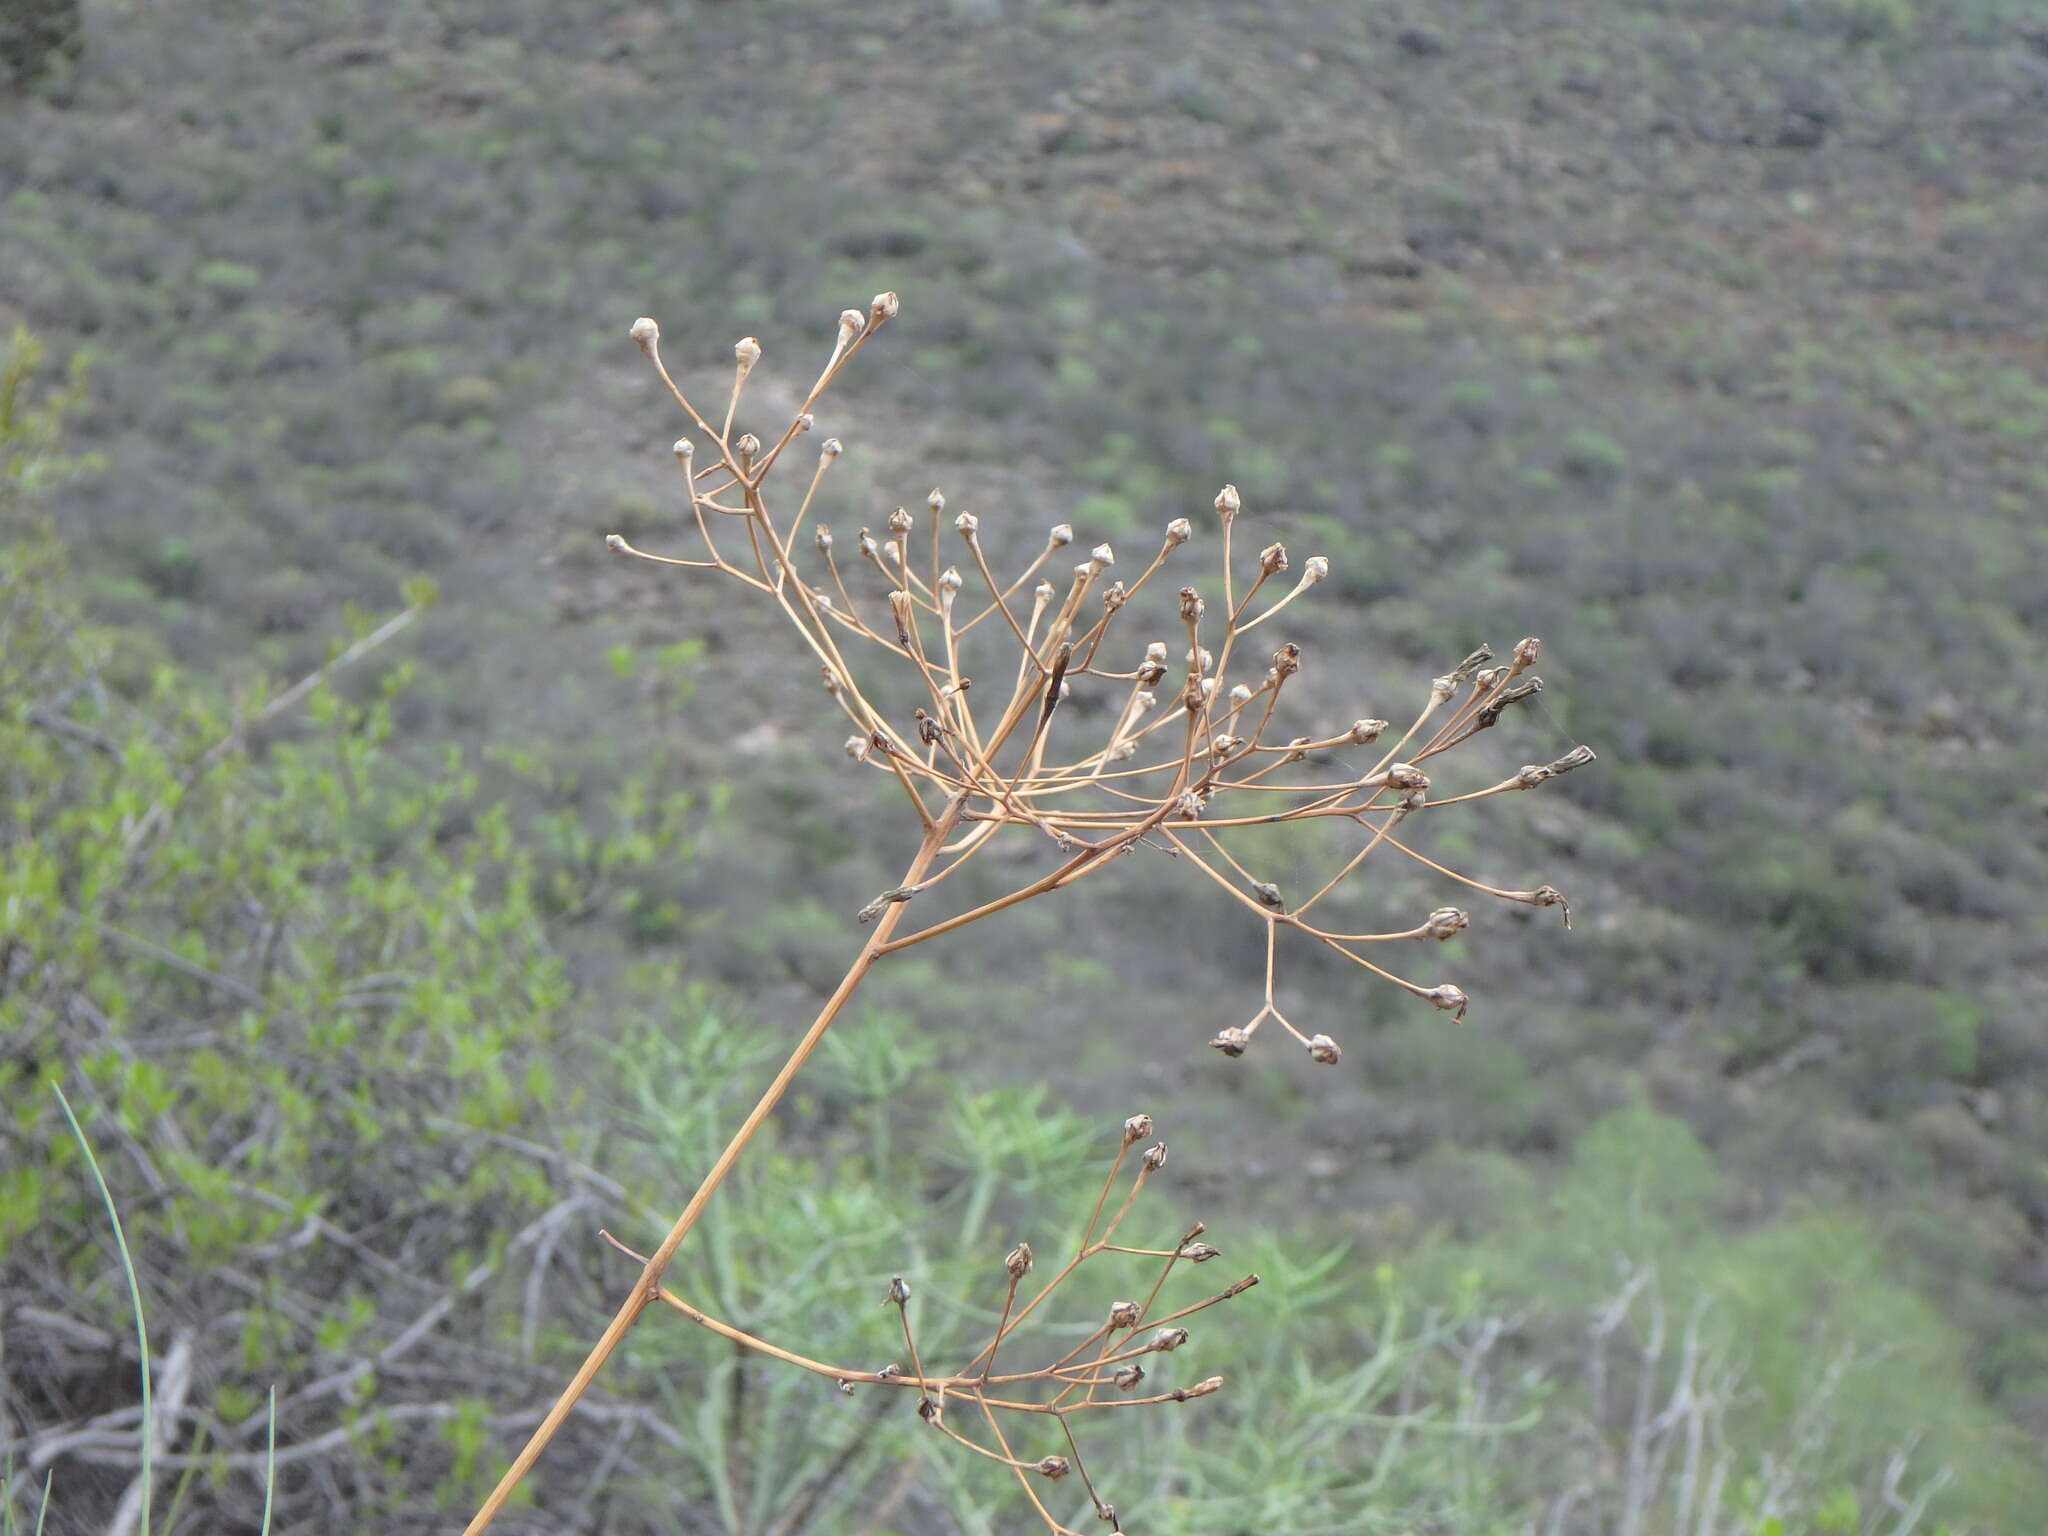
(1040, 1403)
(1024, 708)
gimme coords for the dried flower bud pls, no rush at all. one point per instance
(1115, 597)
(645, 333)
(805, 422)
(1444, 922)
(1123, 752)
(1527, 650)
(1232, 1041)
(822, 537)
(1154, 1158)
(966, 524)
(900, 520)
(1178, 532)
(747, 446)
(824, 601)
(1199, 659)
(1136, 1129)
(1578, 757)
(1365, 732)
(851, 323)
(1124, 1314)
(1062, 535)
(929, 1410)
(1294, 752)
(682, 448)
(1314, 569)
(746, 352)
(1405, 776)
(1200, 1253)
(1268, 894)
(1167, 1340)
(1102, 556)
(845, 1388)
(1204, 1388)
(1486, 679)
(831, 448)
(883, 307)
(1018, 1261)
(899, 1292)
(1450, 999)
(1286, 661)
(1128, 1376)
(868, 546)
(1143, 701)
(1228, 501)
(949, 580)
(1191, 606)
(1442, 688)
(1043, 592)
(831, 679)
(1054, 1467)
(1273, 559)
(1156, 651)
(856, 747)
(1241, 695)
(936, 500)
(1323, 1050)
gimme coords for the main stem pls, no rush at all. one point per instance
(647, 1288)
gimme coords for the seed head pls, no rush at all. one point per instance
(1191, 605)
(1323, 1050)
(899, 1292)
(1406, 776)
(883, 307)
(851, 323)
(1232, 1041)
(1228, 502)
(1124, 1314)
(747, 446)
(1102, 557)
(645, 333)
(1286, 661)
(682, 448)
(1054, 1467)
(1136, 1129)
(966, 524)
(1062, 535)
(1114, 597)
(1043, 592)
(746, 352)
(831, 448)
(900, 520)
(1018, 1261)
(1444, 922)
(1128, 1376)
(936, 500)
(1273, 559)
(805, 422)
(1154, 1158)
(1527, 650)
(1167, 1340)
(822, 537)
(1241, 695)
(1314, 569)
(1294, 752)
(1365, 732)
(1178, 532)
(949, 581)
(1268, 894)
(1450, 999)
(856, 747)
(1201, 1253)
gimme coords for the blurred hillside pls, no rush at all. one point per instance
(1707, 341)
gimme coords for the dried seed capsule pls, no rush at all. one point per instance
(1062, 535)
(1232, 1041)
(965, 524)
(900, 521)
(1018, 1261)
(856, 747)
(1406, 776)
(747, 446)
(1323, 1050)
(1102, 556)
(1268, 894)
(1286, 661)
(928, 1410)
(883, 307)
(1444, 922)
(1124, 1314)
(1154, 1158)
(1191, 605)
(1228, 501)
(949, 581)
(1273, 559)
(1178, 532)
(1200, 1253)
(851, 323)
(1128, 1376)
(899, 1292)
(1115, 597)
(1136, 1129)
(1365, 732)
(1314, 569)
(1156, 651)
(1167, 1340)
(645, 333)
(1450, 999)
(868, 546)
(1043, 592)
(1141, 702)
(805, 422)
(936, 500)
(682, 448)
(1054, 1467)
(831, 448)
(1241, 694)
(746, 352)
(822, 537)
(1294, 752)
(1527, 650)
(615, 541)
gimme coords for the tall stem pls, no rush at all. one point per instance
(647, 1287)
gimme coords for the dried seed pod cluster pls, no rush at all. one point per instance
(1072, 739)
(995, 1407)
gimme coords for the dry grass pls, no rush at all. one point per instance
(1094, 744)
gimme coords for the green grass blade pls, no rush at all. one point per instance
(134, 1302)
(269, 1463)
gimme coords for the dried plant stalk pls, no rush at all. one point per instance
(1175, 758)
